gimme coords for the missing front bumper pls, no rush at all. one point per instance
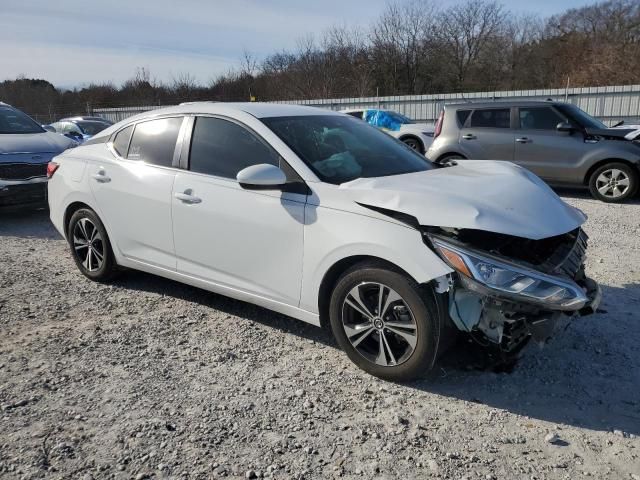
(511, 324)
(594, 292)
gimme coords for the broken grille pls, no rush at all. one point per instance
(568, 259)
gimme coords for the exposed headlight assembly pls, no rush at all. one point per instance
(479, 272)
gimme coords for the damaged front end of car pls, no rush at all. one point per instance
(507, 290)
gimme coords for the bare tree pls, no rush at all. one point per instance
(401, 41)
(184, 85)
(466, 31)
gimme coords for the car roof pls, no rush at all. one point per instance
(84, 119)
(256, 109)
(503, 104)
(366, 109)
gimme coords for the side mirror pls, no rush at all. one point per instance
(262, 176)
(565, 127)
(49, 128)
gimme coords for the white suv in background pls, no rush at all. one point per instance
(418, 136)
(321, 217)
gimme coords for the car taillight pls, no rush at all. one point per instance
(51, 168)
(438, 128)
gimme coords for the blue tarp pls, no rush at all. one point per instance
(382, 119)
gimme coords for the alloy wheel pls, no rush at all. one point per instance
(379, 324)
(413, 144)
(613, 183)
(88, 244)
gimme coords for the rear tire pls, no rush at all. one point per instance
(90, 246)
(386, 324)
(613, 182)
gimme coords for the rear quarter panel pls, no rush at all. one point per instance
(69, 183)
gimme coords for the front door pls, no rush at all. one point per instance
(541, 148)
(247, 240)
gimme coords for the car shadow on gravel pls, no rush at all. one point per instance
(27, 223)
(596, 391)
(587, 377)
(135, 280)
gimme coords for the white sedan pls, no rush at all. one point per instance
(418, 136)
(321, 217)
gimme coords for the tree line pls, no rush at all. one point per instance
(413, 47)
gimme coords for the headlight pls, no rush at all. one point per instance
(511, 280)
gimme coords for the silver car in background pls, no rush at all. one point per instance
(557, 141)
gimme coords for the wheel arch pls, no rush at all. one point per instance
(601, 163)
(450, 154)
(413, 136)
(333, 274)
(72, 208)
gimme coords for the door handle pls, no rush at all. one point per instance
(523, 140)
(187, 198)
(469, 136)
(101, 177)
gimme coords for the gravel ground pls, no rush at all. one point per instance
(147, 378)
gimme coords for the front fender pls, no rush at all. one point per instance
(610, 150)
(335, 235)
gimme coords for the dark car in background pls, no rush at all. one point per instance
(25, 150)
(557, 141)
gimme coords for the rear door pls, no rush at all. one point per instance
(133, 190)
(487, 134)
(541, 148)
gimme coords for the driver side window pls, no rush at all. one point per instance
(539, 118)
(223, 148)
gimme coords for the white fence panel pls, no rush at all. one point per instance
(609, 104)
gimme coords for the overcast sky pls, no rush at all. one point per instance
(72, 43)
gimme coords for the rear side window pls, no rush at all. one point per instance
(223, 148)
(356, 114)
(543, 118)
(462, 116)
(491, 118)
(121, 141)
(154, 141)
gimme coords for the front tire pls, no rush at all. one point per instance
(613, 182)
(450, 160)
(414, 144)
(385, 323)
(90, 246)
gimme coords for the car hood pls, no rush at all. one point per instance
(485, 195)
(627, 132)
(46, 142)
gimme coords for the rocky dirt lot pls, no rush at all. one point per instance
(147, 378)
